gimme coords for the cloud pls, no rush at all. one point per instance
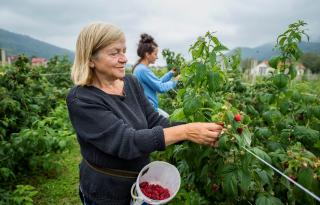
(174, 24)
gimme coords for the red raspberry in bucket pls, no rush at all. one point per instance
(154, 191)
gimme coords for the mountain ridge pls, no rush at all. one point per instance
(267, 50)
(15, 44)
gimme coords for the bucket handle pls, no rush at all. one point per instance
(133, 195)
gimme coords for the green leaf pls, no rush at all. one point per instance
(240, 140)
(263, 132)
(229, 184)
(261, 154)
(223, 142)
(214, 80)
(250, 110)
(215, 40)
(305, 177)
(220, 48)
(197, 52)
(272, 116)
(199, 73)
(244, 179)
(266, 98)
(265, 178)
(228, 168)
(273, 62)
(280, 80)
(316, 111)
(282, 40)
(191, 103)
(268, 200)
(212, 58)
(285, 106)
(309, 98)
(178, 115)
(292, 72)
(306, 135)
(229, 115)
(296, 96)
(247, 137)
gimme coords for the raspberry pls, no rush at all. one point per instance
(240, 130)
(237, 117)
(154, 191)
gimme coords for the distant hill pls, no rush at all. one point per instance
(15, 44)
(266, 51)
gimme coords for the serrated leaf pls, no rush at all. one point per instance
(229, 184)
(280, 80)
(247, 137)
(262, 154)
(212, 58)
(263, 132)
(264, 177)
(268, 200)
(306, 135)
(177, 115)
(214, 80)
(244, 180)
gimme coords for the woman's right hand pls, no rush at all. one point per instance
(177, 77)
(203, 133)
(197, 132)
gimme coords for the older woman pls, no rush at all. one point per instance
(116, 126)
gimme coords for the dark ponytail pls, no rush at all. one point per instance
(146, 45)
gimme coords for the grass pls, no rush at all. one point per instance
(63, 188)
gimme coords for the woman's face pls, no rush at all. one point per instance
(111, 60)
(152, 57)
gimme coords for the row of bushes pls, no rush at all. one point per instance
(34, 124)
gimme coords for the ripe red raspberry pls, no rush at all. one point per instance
(154, 191)
(294, 178)
(237, 117)
(240, 130)
(215, 187)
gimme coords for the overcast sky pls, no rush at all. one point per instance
(175, 24)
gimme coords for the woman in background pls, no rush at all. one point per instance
(148, 53)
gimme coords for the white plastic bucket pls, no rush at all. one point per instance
(157, 172)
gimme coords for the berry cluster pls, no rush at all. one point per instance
(154, 191)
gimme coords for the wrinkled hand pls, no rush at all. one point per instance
(203, 133)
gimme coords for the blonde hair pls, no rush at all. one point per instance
(91, 39)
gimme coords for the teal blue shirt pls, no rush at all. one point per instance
(152, 84)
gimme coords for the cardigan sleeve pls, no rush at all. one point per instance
(100, 127)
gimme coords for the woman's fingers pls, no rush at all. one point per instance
(211, 136)
(204, 133)
(214, 127)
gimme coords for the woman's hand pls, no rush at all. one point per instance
(176, 78)
(203, 133)
(200, 133)
(175, 71)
